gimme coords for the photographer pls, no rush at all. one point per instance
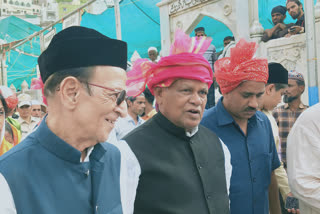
(295, 10)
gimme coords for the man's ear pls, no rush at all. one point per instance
(70, 92)
(158, 94)
(269, 89)
(129, 103)
(302, 88)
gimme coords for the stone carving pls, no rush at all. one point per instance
(180, 5)
(256, 29)
(288, 56)
(227, 9)
(179, 25)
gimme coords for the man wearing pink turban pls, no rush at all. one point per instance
(182, 167)
(246, 131)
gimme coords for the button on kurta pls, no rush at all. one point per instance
(87, 172)
(199, 166)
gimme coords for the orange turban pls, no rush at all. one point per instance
(240, 66)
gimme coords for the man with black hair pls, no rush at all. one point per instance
(280, 29)
(228, 43)
(136, 107)
(287, 114)
(295, 10)
(211, 56)
(149, 110)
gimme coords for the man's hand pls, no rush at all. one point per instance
(294, 211)
(295, 30)
(282, 26)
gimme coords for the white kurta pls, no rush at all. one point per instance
(303, 157)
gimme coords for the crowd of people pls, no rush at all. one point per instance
(144, 141)
(280, 29)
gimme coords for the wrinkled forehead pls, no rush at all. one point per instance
(192, 83)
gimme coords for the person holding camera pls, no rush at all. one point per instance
(295, 10)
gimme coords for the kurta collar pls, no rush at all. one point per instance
(169, 126)
(62, 149)
(224, 118)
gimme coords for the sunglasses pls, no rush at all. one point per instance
(121, 94)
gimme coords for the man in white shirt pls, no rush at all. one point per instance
(136, 107)
(303, 152)
(36, 109)
(25, 119)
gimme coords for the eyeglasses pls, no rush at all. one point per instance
(121, 94)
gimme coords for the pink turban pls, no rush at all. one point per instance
(240, 66)
(184, 62)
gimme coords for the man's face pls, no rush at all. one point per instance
(294, 10)
(24, 111)
(226, 42)
(183, 102)
(36, 111)
(272, 97)
(293, 91)
(138, 106)
(200, 34)
(277, 18)
(97, 112)
(153, 55)
(243, 102)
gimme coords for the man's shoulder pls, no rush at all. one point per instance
(20, 154)
(206, 131)
(109, 147)
(142, 130)
(113, 152)
(209, 116)
(279, 108)
(262, 117)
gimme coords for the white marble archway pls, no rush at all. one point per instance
(240, 17)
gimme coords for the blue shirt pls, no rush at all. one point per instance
(125, 125)
(45, 175)
(253, 158)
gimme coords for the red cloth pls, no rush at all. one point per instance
(37, 84)
(240, 66)
(9, 96)
(184, 62)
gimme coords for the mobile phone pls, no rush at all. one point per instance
(292, 29)
(292, 203)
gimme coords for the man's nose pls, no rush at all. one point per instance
(253, 103)
(196, 99)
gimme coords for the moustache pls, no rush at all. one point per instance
(250, 109)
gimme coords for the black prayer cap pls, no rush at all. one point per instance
(76, 47)
(279, 9)
(277, 73)
(199, 29)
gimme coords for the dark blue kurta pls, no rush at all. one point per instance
(45, 175)
(253, 158)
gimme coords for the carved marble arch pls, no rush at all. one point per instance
(186, 14)
(190, 15)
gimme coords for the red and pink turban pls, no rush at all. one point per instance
(184, 62)
(240, 66)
